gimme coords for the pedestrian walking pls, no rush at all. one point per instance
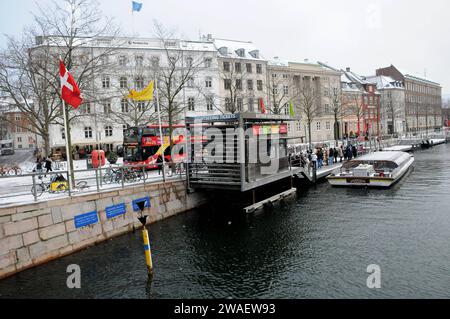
(336, 154)
(48, 166)
(341, 153)
(325, 156)
(39, 166)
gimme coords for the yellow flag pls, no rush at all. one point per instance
(145, 95)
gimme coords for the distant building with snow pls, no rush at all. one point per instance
(423, 100)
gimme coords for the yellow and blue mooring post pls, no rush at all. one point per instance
(146, 238)
(148, 252)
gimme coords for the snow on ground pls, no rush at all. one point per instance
(17, 189)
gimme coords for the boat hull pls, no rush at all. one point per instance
(375, 182)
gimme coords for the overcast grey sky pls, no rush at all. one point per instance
(364, 35)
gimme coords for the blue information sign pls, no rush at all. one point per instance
(86, 219)
(114, 211)
(147, 203)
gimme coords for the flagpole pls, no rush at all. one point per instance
(68, 154)
(160, 129)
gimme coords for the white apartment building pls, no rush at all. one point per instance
(243, 76)
(133, 64)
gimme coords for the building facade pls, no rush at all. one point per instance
(392, 106)
(15, 126)
(311, 88)
(243, 77)
(133, 63)
(423, 100)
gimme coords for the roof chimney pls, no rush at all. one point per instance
(306, 60)
(347, 69)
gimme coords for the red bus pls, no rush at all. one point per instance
(142, 145)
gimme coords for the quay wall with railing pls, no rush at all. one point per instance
(36, 233)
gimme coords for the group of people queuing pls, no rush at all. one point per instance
(327, 156)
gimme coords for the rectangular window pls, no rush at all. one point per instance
(191, 104)
(226, 66)
(88, 132)
(106, 83)
(259, 83)
(208, 62)
(86, 108)
(19, 139)
(251, 105)
(18, 129)
(139, 83)
(328, 126)
(250, 85)
(209, 103)
(227, 83)
(238, 84)
(139, 61)
(240, 105)
(249, 67)
(318, 126)
(286, 90)
(208, 83)
(123, 82)
(190, 83)
(228, 104)
(123, 60)
(18, 118)
(155, 62)
(259, 68)
(237, 67)
(141, 107)
(107, 107)
(108, 131)
(124, 106)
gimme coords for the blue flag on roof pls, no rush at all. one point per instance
(137, 6)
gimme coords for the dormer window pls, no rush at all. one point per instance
(223, 51)
(241, 53)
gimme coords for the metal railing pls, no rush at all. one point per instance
(34, 187)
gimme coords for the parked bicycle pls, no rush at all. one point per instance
(10, 170)
(14, 170)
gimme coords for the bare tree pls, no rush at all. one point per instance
(174, 76)
(131, 112)
(69, 31)
(279, 96)
(338, 107)
(308, 106)
(234, 77)
(355, 107)
(22, 78)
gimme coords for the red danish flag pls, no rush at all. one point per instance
(70, 92)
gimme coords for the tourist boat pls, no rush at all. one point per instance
(380, 169)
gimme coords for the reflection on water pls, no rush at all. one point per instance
(316, 246)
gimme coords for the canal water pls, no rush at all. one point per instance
(317, 245)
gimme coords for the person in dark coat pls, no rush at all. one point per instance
(354, 151)
(48, 166)
(349, 152)
(336, 154)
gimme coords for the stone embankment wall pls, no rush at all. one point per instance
(37, 233)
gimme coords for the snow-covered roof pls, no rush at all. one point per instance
(276, 61)
(420, 79)
(385, 82)
(237, 49)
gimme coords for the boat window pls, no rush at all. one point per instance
(377, 165)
